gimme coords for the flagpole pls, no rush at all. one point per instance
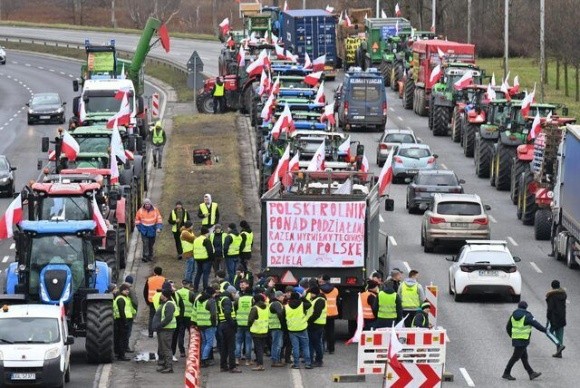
(385, 375)
(506, 33)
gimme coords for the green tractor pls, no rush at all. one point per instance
(394, 46)
(486, 137)
(404, 56)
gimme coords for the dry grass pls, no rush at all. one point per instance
(188, 183)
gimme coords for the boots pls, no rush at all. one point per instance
(154, 161)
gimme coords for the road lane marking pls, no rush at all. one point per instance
(51, 70)
(444, 166)
(407, 266)
(40, 68)
(27, 64)
(535, 267)
(381, 218)
(492, 219)
(391, 109)
(296, 378)
(392, 241)
(400, 118)
(62, 73)
(71, 76)
(465, 375)
(13, 245)
(511, 240)
(420, 140)
(5, 259)
(409, 128)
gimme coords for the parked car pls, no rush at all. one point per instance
(7, 176)
(2, 55)
(390, 138)
(46, 107)
(485, 267)
(427, 183)
(409, 159)
(453, 218)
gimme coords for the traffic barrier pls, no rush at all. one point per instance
(431, 293)
(192, 366)
(414, 375)
(155, 105)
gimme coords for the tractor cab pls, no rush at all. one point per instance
(518, 123)
(58, 199)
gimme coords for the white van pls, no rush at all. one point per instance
(34, 346)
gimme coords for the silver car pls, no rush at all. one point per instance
(409, 159)
(454, 218)
(2, 55)
(391, 138)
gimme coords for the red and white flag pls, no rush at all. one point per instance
(386, 175)
(505, 88)
(395, 346)
(282, 164)
(527, 102)
(328, 114)
(274, 39)
(465, 80)
(101, 229)
(293, 165)
(359, 323)
(117, 148)
(313, 78)
(319, 98)
(82, 111)
(225, 27)
(397, 10)
(536, 127)
(492, 79)
(319, 63)
(264, 84)
(291, 57)
(123, 116)
(491, 95)
(383, 14)
(12, 216)
(279, 52)
(307, 61)
(241, 57)
(285, 6)
(285, 123)
(317, 162)
(344, 148)
(276, 86)
(347, 21)
(329, 9)
(70, 147)
(266, 113)
(364, 166)
(440, 53)
(256, 67)
(516, 88)
(436, 74)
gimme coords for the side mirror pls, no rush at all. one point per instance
(39, 164)
(517, 259)
(75, 85)
(487, 207)
(69, 340)
(140, 105)
(64, 102)
(12, 168)
(75, 106)
(45, 144)
(389, 205)
(461, 181)
(435, 156)
(27, 104)
(112, 201)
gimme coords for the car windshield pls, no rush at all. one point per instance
(437, 180)
(368, 93)
(3, 164)
(66, 208)
(458, 208)
(499, 117)
(488, 257)
(102, 104)
(29, 330)
(398, 138)
(309, 146)
(415, 153)
(94, 144)
(46, 99)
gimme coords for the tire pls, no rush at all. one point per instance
(528, 200)
(441, 118)
(456, 126)
(518, 167)
(111, 260)
(29, 120)
(430, 119)
(99, 341)
(570, 261)
(204, 103)
(393, 83)
(386, 70)
(408, 91)
(67, 375)
(468, 140)
(122, 243)
(555, 251)
(449, 288)
(504, 169)
(399, 71)
(429, 247)
(519, 204)
(543, 224)
(483, 160)
(351, 327)
(492, 169)
(457, 297)
(421, 111)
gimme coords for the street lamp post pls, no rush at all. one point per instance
(433, 14)
(506, 38)
(542, 50)
(468, 21)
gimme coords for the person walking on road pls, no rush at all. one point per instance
(421, 318)
(186, 296)
(208, 212)
(258, 322)
(242, 307)
(368, 298)
(149, 224)
(246, 244)
(203, 256)
(135, 304)
(412, 295)
(217, 238)
(297, 312)
(158, 140)
(123, 313)
(277, 326)
(387, 308)
(394, 281)
(556, 314)
(332, 301)
(316, 323)
(519, 328)
(187, 238)
(152, 285)
(227, 330)
(232, 251)
(178, 217)
(165, 324)
(206, 321)
(219, 96)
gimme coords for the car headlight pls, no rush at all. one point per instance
(52, 353)
(60, 110)
(1, 356)
(30, 111)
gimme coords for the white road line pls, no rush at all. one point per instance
(492, 219)
(40, 68)
(105, 375)
(465, 375)
(392, 241)
(11, 118)
(296, 378)
(447, 339)
(400, 118)
(512, 241)
(71, 76)
(13, 245)
(62, 73)
(27, 64)
(51, 70)
(5, 259)
(535, 267)
(568, 301)
(391, 109)
(444, 166)
(420, 140)
(409, 128)
(15, 62)
(381, 218)
(407, 266)
(15, 114)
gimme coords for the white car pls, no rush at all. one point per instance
(2, 55)
(485, 267)
(34, 346)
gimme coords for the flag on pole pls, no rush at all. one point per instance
(282, 164)
(12, 216)
(436, 74)
(516, 88)
(329, 9)
(313, 78)
(359, 323)
(395, 346)
(465, 80)
(345, 188)
(286, 5)
(344, 148)
(536, 127)
(225, 26)
(364, 166)
(319, 98)
(397, 10)
(492, 79)
(293, 165)
(491, 95)
(266, 113)
(383, 14)
(317, 162)
(386, 175)
(307, 61)
(82, 111)
(123, 116)
(70, 147)
(527, 102)
(101, 229)
(319, 63)
(328, 114)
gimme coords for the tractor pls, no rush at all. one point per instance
(404, 56)
(239, 93)
(487, 134)
(55, 263)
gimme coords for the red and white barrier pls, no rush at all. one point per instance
(155, 105)
(431, 293)
(192, 366)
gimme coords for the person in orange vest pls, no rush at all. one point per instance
(332, 300)
(149, 224)
(152, 285)
(367, 300)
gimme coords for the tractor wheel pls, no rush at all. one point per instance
(543, 224)
(409, 90)
(430, 114)
(456, 126)
(421, 111)
(393, 76)
(440, 120)
(492, 167)
(246, 100)
(469, 140)
(111, 260)
(99, 341)
(504, 167)
(122, 244)
(399, 72)
(518, 167)
(483, 160)
(204, 103)
(386, 70)
(528, 200)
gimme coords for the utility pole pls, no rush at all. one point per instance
(506, 38)
(542, 49)
(113, 19)
(433, 14)
(468, 21)
(377, 8)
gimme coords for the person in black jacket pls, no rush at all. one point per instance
(316, 324)
(177, 219)
(519, 328)
(421, 318)
(556, 314)
(227, 330)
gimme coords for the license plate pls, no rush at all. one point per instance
(44, 117)
(23, 376)
(412, 171)
(488, 273)
(334, 280)
(459, 224)
(358, 117)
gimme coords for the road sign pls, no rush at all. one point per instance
(431, 293)
(194, 70)
(155, 105)
(410, 375)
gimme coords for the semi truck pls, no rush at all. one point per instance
(325, 223)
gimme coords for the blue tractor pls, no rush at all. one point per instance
(55, 262)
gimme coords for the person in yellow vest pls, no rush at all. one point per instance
(246, 245)
(277, 326)
(208, 212)
(219, 96)
(186, 296)
(153, 283)
(218, 238)
(206, 321)
(158, 140)
(232, 251)
(367, 299)
(421, 318)
(316, 323)
(227, 330)
(332, 301)
(177, 218)
(123, 313)
(165, 323)
(387, 308)
(129, 280)
(242, 306)
(203, 256)
(187, 237)
(519, 328)
(258, 321)
(243, 274)
(297, 312)
(412, 295)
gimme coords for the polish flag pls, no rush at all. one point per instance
(329, 9)
(516, 88)
(527, 102)
(319, 63)
(12, 216)
(286, 5)
(225, 26)
(264, 84)
(366, 16)
(492, 79)
(317, 162)
(274, 39)
(344, 148)
(359, 323)
(505, 89)
(440, 53)
(294, 165)
(275, 177)
(549, 117)
(364, 166)
(491, 95)
(466, 80)
(307, 61)
(319, 98)
(266, 113)
(395, 346)
(82, 111)
(345, 188)
(117, 148)
(397, 10)
(313, 78)
(276, 86)
(101, 230)
(285, 123)
(279, 52)
(241, 57)
(123, 116)
(328, 114)
(536, 127)
(386, 175)
(291, 57)
(383, 14)
(347, 21)
(70, 147)
(340, 18)
(256, 67)
(436, 74)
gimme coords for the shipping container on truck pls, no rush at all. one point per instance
(319, 227)
(311, 31)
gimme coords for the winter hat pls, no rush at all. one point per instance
(425, 305)
(178, 203)
(294, 296)
(232, 226)
(314, 290)
(124, 287)
(209, 290)
(204, 230)
(129, 279)
(326, 278)
(259, 298)
(231, 290)
(278, 294)
(188, 224)
(244, 224)
(371, 284)
(523, 305)
(166, 287)
(147, 201)
(555, 284)
(166, 293)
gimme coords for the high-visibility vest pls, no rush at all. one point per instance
(128, 307)
(203, 317)
(157, 138)
(387, 305)
(296, 319)
(246, 276)
(209, 219)
(199, 250)
(194, 308)
(424, 323)
(173, 323)
(220, 308)
(273, 319)
(367, 309)
(331, 306)
(174, 217)
(187, 246)
(219, 90)
(157, 302)
(243, 311)
(260, 325)
(234, 248)
(410, 296)
(520, 330)
(212, 237)
(224, 285)
(148, 217)
(321, 320)
(154, 283)
(187, 305)
(249, 241)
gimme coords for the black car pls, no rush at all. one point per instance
(428, 182)
(7, 176)
(47, 107)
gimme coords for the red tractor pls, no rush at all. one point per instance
(239, 94)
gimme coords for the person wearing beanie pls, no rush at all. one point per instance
(258, 323)
(232, 251)
(387, 308)
(165, 323)
(421, 318)
(243, 306)
(205, 313)
(246, 244)
(149, 224)
(519, 328)
(177, 218)
(208, 212)
(277, 326)
(556, 315)
(218, 238)
(368, 301)
(243, 274)
(203, 256)
(227, 330)
(123, 314)
(187, 237)
(316, 323)
(296, 315)
(134, 305)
